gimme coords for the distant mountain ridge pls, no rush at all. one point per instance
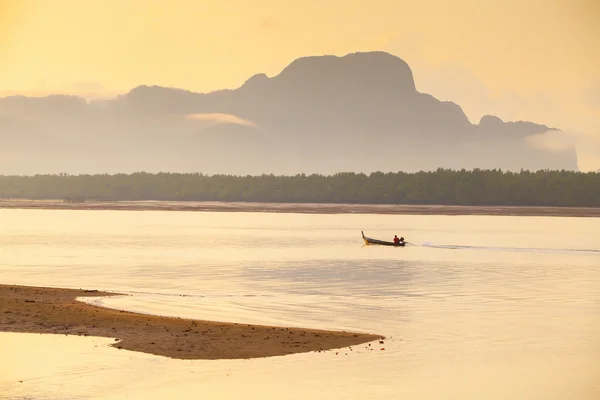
(325, 114)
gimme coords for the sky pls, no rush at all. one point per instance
(536, 60)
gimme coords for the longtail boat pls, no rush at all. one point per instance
(369, 240)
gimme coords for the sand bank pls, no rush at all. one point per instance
(51, 310)
(307, 208)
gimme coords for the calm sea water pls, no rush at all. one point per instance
(477, 308)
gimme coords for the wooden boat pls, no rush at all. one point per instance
(369, 240)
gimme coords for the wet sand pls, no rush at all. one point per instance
(53, 310)
(307, 208)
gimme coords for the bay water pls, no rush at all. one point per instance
(475, 307)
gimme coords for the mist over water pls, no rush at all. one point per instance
(475, 307)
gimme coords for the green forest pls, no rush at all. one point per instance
(441, 187)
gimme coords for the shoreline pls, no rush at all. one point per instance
(28, 309)
(304, 208)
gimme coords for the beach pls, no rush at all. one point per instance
(56, 311)
(302, 208)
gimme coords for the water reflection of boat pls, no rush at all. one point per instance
(369, 240)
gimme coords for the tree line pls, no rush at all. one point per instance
(440, 187)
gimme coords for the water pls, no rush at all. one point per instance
(478, 308)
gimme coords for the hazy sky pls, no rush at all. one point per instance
(537, 60)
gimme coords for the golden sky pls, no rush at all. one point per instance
(519, 59)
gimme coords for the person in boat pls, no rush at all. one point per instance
(398, 240)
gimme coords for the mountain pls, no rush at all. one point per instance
(325, 114)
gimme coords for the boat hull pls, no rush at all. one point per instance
(369, 240)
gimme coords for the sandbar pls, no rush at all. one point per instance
(56, 311)
(304, 208)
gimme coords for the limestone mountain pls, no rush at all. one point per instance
(325, 114)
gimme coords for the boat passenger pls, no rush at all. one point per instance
(396, 240)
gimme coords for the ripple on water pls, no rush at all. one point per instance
(477, 320)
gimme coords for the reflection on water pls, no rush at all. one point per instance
(59, 367)
(480, 308)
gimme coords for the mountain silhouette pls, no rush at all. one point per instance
(324, 114)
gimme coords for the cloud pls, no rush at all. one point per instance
(220, 119)
(587, 145)
(552, 141)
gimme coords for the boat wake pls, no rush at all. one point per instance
(511, 249)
